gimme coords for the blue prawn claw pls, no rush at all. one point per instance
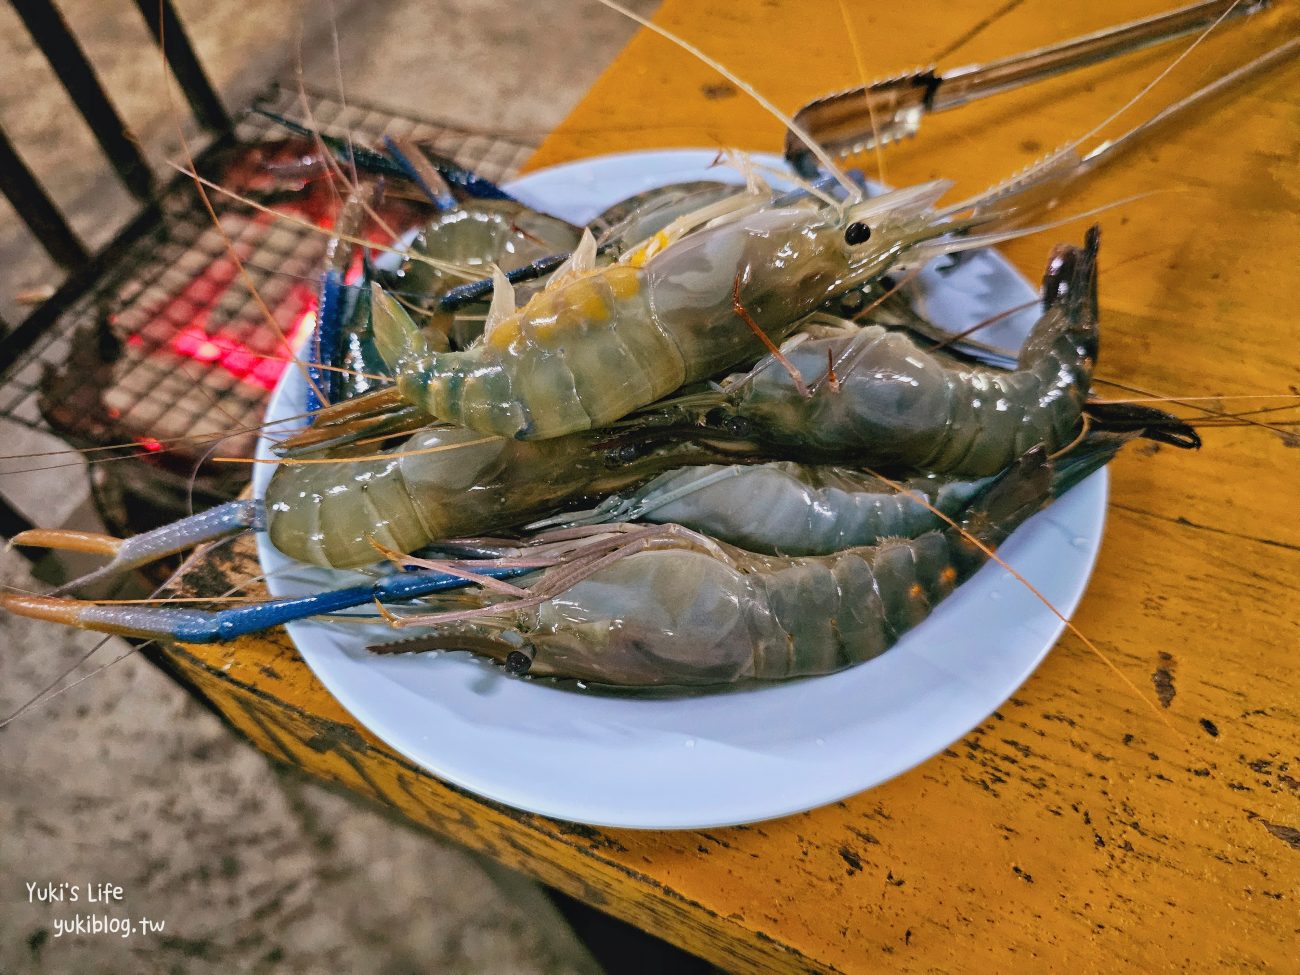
(130, 553)
(322, 350)
(204, 626)
(345, 151)
(428, 179)
(349, 153)
(469, 182)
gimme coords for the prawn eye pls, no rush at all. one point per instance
(518, 663)
(857, 233)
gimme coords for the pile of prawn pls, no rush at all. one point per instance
(614, 382)
(667, 459)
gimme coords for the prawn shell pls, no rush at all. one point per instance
(794, 509)
(895, 403)
(700, 631)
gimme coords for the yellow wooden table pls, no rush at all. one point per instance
(1081, 824)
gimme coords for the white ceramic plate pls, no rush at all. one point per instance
(714, 759)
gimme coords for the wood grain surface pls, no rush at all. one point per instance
(1139, 812)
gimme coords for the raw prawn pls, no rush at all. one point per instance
(879, 398)
(346, 507)
(682, 610)
(523, 243)
(448, 482)
(789, 508)
(599, 343)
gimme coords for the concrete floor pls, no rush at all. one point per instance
(124, 779)
(127, 780)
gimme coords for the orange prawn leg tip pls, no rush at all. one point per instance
(148, 622)
(68, 540)
(117, 620)
(49, 608)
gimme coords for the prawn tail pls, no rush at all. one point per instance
(1071, 276)
(1031, 482)
(383, 412)
(398, 338)
(433, 379)
(1012, 497)
(1071, 281)
(1085, 458)
(1142, 421)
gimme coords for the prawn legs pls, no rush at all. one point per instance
(577, 553)
(205, 626)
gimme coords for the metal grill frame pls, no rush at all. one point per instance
(122, 281)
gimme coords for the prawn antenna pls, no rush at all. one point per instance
(231, 251)
(1164, 73)
(364, 458)
(773, 349)
(823, 157)
(1065, 620)
(877, 144)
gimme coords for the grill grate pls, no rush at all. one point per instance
(170, 344)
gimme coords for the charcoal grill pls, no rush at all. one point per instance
(156, 339)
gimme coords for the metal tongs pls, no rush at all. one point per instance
(889, 110)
